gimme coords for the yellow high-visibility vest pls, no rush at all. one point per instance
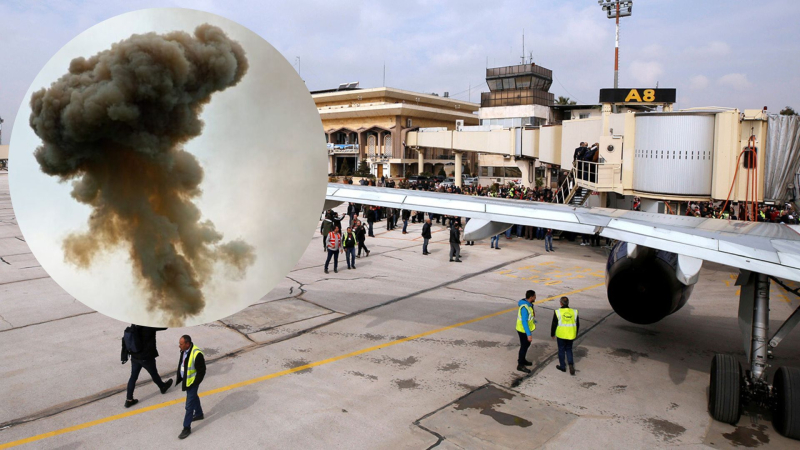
(531, 322)
(191, 372)
(567, 323)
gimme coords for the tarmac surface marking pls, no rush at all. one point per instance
(276, 374)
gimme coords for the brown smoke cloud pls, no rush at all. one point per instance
(115, 124)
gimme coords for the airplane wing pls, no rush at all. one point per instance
(768, 248)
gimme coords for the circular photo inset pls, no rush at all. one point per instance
(167, 167)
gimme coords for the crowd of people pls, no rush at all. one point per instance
(337, 239)
(739, 211)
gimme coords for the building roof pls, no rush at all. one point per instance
(399, 109)
(402, 97)
(325, 91)
(570, 107)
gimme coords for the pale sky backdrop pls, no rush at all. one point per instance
(735, 53)
(262, 126)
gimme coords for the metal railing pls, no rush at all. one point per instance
(601, 177)
(565, 193)
(521, 69)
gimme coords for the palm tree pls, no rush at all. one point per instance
(561, 100)
(788, 111)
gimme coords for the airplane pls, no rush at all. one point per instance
(657, 257)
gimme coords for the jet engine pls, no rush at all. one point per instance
(646, 285)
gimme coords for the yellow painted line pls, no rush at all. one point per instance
(561, 295)
(92, 423)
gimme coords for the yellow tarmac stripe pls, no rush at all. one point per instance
(92, 423)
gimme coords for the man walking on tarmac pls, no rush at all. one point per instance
(361, 237)
(191, 371)
(455, 242)
(526, 323)
(140, 343)
(426, 236)
(349, 244)
(333, 243)
(326, 227)
(565, 329)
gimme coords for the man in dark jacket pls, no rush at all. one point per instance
(351, 212)
(361, 237)
(191, 371)
(578, 156)
(591, 156)
(426, 236)
(337, 220)
(455, 242)
(406, 214)
(145, 338)
(389, 225)
(372, 217)
(326, 227)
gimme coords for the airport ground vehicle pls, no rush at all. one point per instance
(414, 179)
(470, 181)
(448, 182)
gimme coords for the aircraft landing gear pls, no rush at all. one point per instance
(731, 388)
(725, 391)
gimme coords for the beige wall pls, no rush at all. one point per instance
(503, 112)
(628, 152)
(530, 143)
(496, 141)
(500, 142)
(550, 145)
(573, 132)
(435, 139)
(3, 151)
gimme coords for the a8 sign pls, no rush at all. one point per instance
(637, 95)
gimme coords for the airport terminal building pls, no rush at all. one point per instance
(372, 124)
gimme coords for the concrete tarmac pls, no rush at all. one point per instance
(405, 351)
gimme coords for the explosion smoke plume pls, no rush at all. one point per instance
(116, 123)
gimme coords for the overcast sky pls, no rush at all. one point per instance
(735, 53)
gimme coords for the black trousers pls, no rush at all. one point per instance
(523, 347)
(564, 349)
(136, 367)
(360, 246)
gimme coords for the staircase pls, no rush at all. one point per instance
(570, 193)
(580, 197)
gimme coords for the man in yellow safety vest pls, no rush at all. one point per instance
(191, 371)
(525, 325)
(565, 329)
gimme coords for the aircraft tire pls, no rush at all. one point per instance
(786, 408)
(725, 389)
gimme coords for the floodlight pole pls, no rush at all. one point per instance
(616, 57)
